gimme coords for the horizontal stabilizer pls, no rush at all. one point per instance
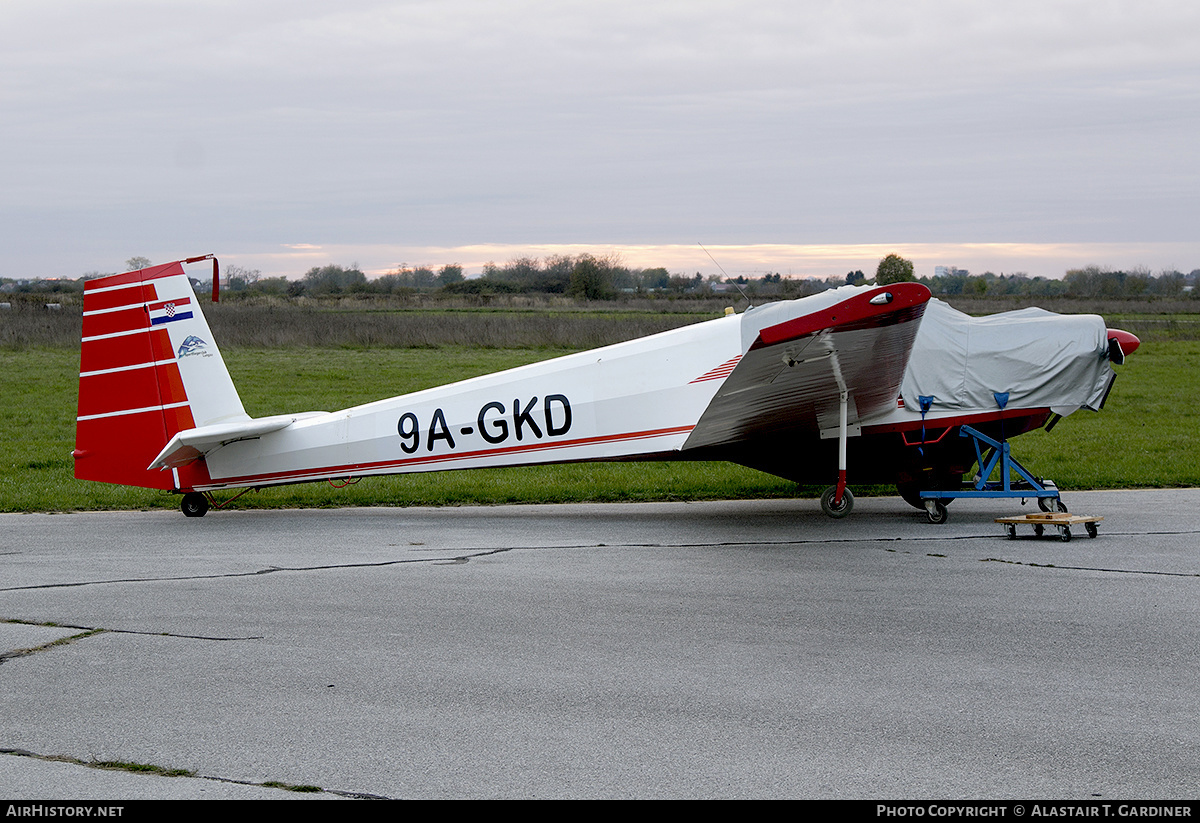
(192, 444)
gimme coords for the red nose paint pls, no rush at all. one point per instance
(1129, 342)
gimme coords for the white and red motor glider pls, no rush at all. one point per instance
(878, 377)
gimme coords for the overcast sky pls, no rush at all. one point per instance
(792, 136)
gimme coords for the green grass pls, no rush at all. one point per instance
(139, 768)
(1148, 436)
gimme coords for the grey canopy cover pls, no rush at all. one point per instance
(1041, 359)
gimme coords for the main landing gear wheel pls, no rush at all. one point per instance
(1052, 504)
(935, 510)
(839, 511)
(194, 504)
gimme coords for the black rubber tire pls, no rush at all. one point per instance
(830, 509)
(1052, 504)
(193, 504)
(935, 510)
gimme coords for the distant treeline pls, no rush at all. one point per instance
(588, 277)
(1086, 283)
(583, 277)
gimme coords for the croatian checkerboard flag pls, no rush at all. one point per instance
(169, 311)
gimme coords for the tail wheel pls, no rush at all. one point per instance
(194, 504)
(838, 510)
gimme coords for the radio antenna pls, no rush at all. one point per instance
(749, 305)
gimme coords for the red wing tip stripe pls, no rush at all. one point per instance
(123, 412)
(360, 468)
(720, 371)
(858, 312)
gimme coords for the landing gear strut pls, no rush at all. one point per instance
(837, 501)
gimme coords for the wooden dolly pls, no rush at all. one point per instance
(1059, 520)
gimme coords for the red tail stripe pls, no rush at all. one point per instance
(137, 436)
(134, 295)
(99, 372)
(160, 345)
(152, 273)
(126, 390)
(147, 346)
(98, 355)
(175, 420)
(170, 384)
(131, 412)
(116, 321)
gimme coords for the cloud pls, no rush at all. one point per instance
(131, 124)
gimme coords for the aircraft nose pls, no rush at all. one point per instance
(1121, 344)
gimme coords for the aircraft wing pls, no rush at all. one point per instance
(790, 379)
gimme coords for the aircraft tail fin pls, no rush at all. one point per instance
(149, 368)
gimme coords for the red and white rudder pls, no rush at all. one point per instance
(149, 368)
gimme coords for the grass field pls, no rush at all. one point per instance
(1148, 436)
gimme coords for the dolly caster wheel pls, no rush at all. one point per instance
(935, 510)
(1052, 504)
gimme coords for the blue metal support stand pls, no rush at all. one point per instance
(992, 453)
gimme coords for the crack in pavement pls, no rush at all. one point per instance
(96, 630)
(256, 573)
(468, 554)
(91, 631)
(62, 641)
(1086, 568)
(136, 768)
